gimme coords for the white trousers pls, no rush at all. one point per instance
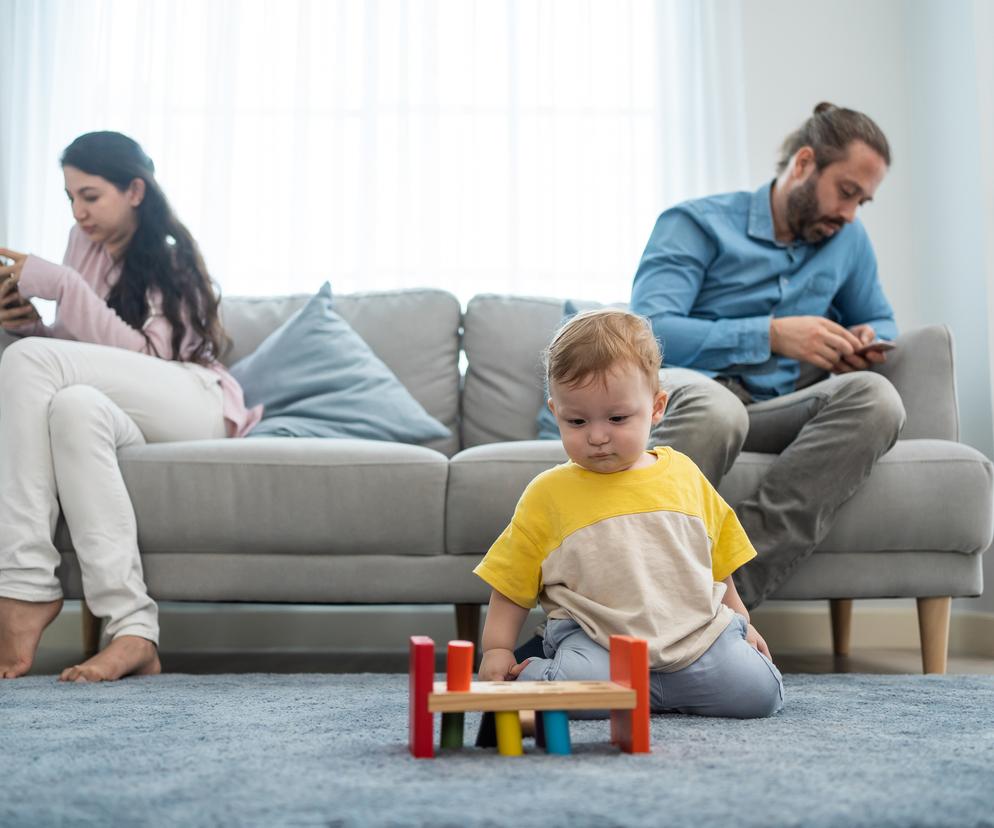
(65, 409)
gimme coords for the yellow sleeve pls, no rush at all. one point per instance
(731, 547)
(513, 566)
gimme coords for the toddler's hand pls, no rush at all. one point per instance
(500, 665)
(756, 640)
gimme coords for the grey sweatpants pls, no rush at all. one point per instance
(827, 437)
(732, 679)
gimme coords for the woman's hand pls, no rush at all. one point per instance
(14, 264)
(15, 310)
(500, 665)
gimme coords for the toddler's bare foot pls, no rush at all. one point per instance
(21, 626)
(126, 655)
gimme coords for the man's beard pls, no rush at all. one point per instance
(802, 213)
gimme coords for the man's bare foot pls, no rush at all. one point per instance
(21, 626)
(126, 655)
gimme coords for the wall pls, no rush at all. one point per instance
(796, 57)
(923, 70)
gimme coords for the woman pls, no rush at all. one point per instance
(130, 359)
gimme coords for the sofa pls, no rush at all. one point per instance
(367, 522)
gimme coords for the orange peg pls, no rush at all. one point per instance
(459, 666)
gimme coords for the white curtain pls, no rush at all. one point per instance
(475, 145)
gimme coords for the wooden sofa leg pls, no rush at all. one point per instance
(468, 623)
(91, 631)
(841, 611)
(933, 629)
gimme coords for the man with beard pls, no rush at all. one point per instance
(764, 303)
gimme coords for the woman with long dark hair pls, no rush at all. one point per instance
(131, 358)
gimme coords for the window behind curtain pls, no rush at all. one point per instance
(473, 145)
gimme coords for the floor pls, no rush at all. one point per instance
(860, 661)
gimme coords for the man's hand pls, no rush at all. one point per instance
(813, 339)
(757, 641)
(500, 665)
(855, 362)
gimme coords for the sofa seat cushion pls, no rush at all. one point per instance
(485, 483)
(932, 495)
(287, 496)
(924, 495)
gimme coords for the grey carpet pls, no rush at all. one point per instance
(331, 750)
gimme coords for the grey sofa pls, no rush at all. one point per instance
(353, 521)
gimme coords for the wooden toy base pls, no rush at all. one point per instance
(532, 695)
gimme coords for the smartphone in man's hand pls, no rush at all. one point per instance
(878, 346)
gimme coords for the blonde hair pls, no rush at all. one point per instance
(593, 342)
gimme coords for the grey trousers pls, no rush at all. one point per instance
(827, 437)
(731, 679)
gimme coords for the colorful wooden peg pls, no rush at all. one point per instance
(458, 678)
(421, 723)
(555, 723)
(508, 733)
(452, 731)
(630, 668)
(459, 666)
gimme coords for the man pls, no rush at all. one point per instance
(754, 296)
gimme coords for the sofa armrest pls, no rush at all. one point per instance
(921, 369)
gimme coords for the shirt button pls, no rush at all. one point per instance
(783, 281)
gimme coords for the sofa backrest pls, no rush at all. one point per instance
(503, 337)
(415, 332)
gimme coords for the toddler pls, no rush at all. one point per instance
(621, 540)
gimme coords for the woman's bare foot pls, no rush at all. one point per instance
(21, 626)
(126, 655)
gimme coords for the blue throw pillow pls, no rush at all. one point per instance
(316, 377)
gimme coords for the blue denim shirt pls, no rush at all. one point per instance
(713, 274)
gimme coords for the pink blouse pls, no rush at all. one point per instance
(80, 287)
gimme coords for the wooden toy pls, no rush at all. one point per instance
(626, 696)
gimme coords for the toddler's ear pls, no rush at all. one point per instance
(659, 406)
(552, 408)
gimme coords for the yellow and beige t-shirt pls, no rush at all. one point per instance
(641, 552)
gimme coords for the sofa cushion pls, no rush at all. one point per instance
(485, 483)
(415, 332)
(314, 579)
(279, 496)
(921, 495)
(504, 337)
(317, 378)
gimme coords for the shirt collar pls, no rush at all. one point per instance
(760, 215)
